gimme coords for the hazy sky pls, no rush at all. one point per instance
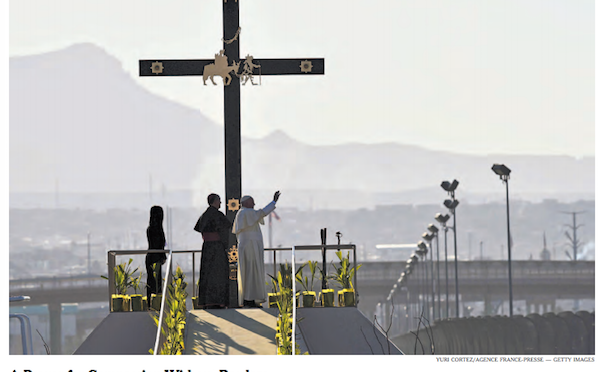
(471, 76)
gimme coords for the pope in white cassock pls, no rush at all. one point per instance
(251, 254)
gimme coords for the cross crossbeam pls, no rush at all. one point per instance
(269, 66)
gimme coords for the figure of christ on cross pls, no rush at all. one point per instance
(231, 51)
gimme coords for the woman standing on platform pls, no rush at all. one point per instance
(156, 240)
(213, 285)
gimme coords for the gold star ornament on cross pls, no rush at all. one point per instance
(233, 204)
(306, 66)
(233, 254)
(157, 67)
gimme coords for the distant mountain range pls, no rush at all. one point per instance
(80, 123)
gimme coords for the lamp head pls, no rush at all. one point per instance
(433, 228)
(442, 218)
(502, 170)
(422, 248)
(448, 186)
(451, 204)
(427, 236)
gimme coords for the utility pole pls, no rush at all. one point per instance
(481, 250)
(574, 242)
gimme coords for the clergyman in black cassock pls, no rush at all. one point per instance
(213, 285)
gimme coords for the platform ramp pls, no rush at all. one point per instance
(341, 331)
(231, 332)
(121, 333)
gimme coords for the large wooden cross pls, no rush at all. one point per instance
(229, 59)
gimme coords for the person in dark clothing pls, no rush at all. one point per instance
(213, 285)
(156, 240)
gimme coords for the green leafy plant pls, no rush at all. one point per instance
(175, 318)
(124, 277)
(344, 272)
(304, 281)
(136, 284)
(285, 271)
(308, 295)
(284, 319)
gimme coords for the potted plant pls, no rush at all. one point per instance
(327, 297)
(117, 303)
(155, 300)
(137, 301)
(285, 271)
(123, 281)
(308, 295)
(343, 275)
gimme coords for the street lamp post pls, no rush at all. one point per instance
(504, 172)
(451, 204)
(442, 219)
(404, 287)
(422, 252)
(435, 231)
(411, 307)
(429, 238)
(410, 263)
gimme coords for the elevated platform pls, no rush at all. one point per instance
(321, 331)
(127, 333)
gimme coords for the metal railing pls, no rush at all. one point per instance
(478, 270)
(112, 255)
(26, 340)
(54, 282)
(164, 306)
(323, 249)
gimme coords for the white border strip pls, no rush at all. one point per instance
(294, 300)
(162, 304)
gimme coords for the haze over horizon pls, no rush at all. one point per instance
(499, 77)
